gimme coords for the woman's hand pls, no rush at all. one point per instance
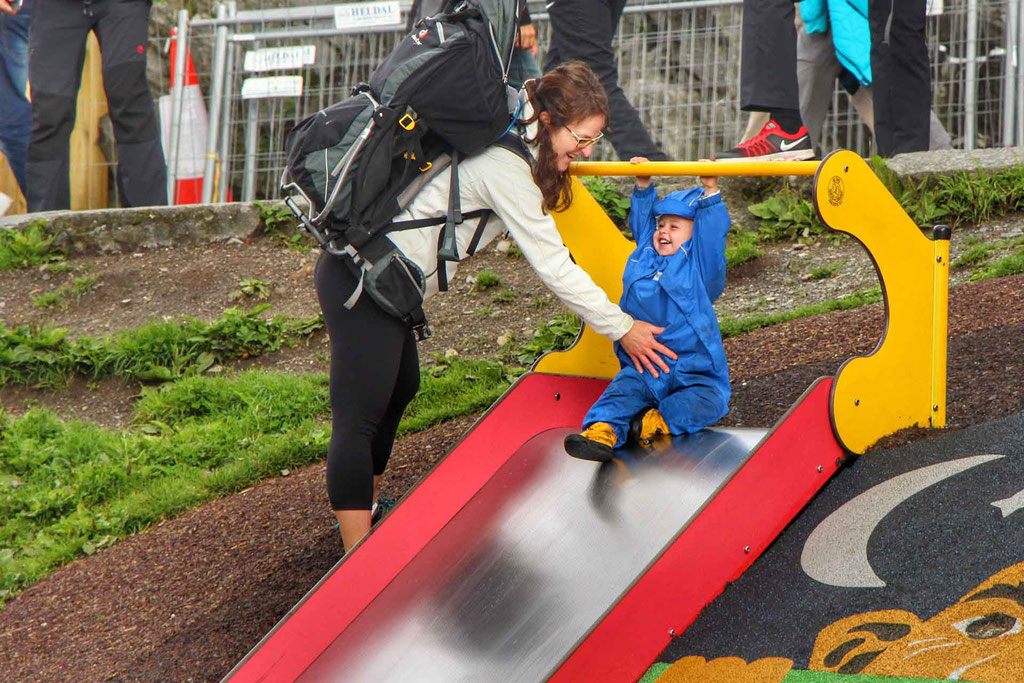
(644, 349)
(642, 181)
(710, 183)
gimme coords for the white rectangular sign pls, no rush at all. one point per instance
(366, 14)
(271, 86)
(935, 7)
(276, 58)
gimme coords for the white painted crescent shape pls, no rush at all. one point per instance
(836, 552)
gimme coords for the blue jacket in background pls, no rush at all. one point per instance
(851, 33)
(675, 292)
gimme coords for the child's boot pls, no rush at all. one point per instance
(647, 425)
(595, 443)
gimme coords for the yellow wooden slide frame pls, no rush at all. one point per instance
(902, 383)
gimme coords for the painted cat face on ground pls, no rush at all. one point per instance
(977, 638)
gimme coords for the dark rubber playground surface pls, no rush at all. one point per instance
(918, 559)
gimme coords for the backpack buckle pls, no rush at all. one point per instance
(407, 122)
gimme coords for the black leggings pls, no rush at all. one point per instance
(374, 375)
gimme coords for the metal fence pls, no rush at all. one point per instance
(679, 65)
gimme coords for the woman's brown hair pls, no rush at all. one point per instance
(568, 93)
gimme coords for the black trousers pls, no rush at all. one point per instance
(56, 56)
(583, 30)
(768, 47)
(374, 375)
(901, 75)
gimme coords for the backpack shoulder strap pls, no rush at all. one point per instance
(514, 143)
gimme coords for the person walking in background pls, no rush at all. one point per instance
(56, 57)
(583, 30)
(15, 108)
(902, 76)
(834, 43)
(768, 83)
(524, 59)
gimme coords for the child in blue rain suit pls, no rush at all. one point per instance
(670, 280)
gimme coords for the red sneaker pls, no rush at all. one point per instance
(772, 143)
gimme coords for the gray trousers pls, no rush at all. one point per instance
(56, 56)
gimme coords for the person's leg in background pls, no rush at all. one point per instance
(583, 30)
(901, 78)
(15, 109)
(56, 54)
(816, 71)
(123, 32)
(768, 83)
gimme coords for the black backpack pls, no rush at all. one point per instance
(440, 96)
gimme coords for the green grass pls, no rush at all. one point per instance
(825, 272)
(1012, 264)
(78, 288)
(155, 352)
(733, 327)
(70, 488)
(974, 255)
(742, 247)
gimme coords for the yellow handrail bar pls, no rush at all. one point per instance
(695, 168)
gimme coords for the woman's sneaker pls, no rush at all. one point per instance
(772, 143)
(596, 443)
(381, 508)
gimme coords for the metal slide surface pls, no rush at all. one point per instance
(532, 562)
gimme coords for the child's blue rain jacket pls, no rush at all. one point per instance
(675, 292)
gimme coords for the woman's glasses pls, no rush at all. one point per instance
(583, 143)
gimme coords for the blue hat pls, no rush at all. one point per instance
(679, 203)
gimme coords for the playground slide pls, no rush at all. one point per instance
(512, 561)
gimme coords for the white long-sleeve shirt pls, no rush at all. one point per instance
(500, 180)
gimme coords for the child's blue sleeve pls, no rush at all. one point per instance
(641, 213)
(710, 226)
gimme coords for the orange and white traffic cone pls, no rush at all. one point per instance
(192, 131)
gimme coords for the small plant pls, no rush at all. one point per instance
(609, 197)
(486, 279)
(49, 299)
(27, 248)
(281, 226)
(252, 288)
(786, 216)
(539, 302)
(78, 288)
(554, 335)
(513, 251)
(824, 272)
(505, 296)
